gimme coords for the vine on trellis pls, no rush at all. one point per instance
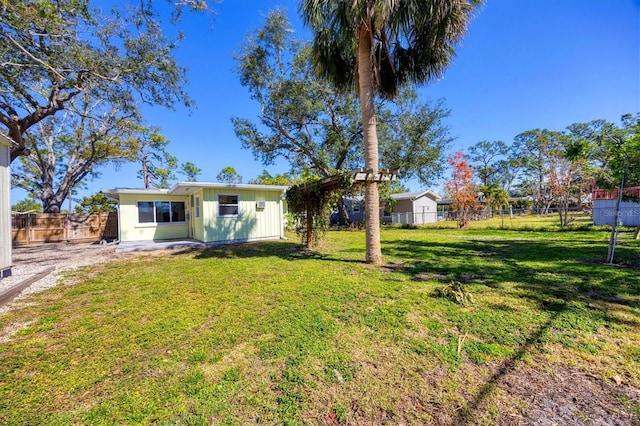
(315, 198)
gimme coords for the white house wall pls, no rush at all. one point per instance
(425, 210)
(5, 211)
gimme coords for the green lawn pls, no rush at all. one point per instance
(265, 333)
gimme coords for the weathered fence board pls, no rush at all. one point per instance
(48, 227)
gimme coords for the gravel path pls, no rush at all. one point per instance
(31, 260)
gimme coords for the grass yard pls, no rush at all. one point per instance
(265, 333)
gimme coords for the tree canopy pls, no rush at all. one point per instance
(229, 175)
(96, 203)
(306, 121)
(266, 178)
(53, 51)
(27, 205)
(461, 188)
(66, 148)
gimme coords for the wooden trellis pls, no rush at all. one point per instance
(319, 190)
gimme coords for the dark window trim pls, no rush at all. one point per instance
(171, 212)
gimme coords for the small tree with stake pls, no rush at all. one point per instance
(622, 154)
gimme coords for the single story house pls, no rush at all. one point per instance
(206, 212)
(5, 205)
(354, 207)
(604, 204)
(415, 208)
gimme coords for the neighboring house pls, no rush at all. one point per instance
(604, 203)
(5, 206)
(355, 210)
(207, 212)
(415, 208)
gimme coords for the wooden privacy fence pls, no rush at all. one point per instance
(51, 227)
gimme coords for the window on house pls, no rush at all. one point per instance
(228, 205)
(145, 212)
(161, 211)
(197, 206)
(177, 212)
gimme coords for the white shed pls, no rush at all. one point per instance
(5, 206)
(415, 208)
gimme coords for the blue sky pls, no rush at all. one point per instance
(524, 64)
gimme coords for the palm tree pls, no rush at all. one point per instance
(494, 197)
(377, 46)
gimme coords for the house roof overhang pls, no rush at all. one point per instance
(116, 192)
(415, 195)
(188, 188)
(7, 141)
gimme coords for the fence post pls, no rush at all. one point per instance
(28, 233)
(100, 230)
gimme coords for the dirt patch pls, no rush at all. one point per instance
(567, 397)
(62, 255)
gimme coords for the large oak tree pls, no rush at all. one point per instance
(64, 149)
(306, 121)
(52, 51)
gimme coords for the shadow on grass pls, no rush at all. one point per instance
(565, 279)
(282, 249)
(466, 414)
(286, 250)
(542, 269)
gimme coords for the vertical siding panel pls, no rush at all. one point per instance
(5, 209)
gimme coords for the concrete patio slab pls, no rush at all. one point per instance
(130, 246)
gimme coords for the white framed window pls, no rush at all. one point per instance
(161, 211)
(228, 205)
(197, 206)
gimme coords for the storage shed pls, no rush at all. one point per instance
(415, 208)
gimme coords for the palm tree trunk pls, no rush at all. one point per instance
(367, 109)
